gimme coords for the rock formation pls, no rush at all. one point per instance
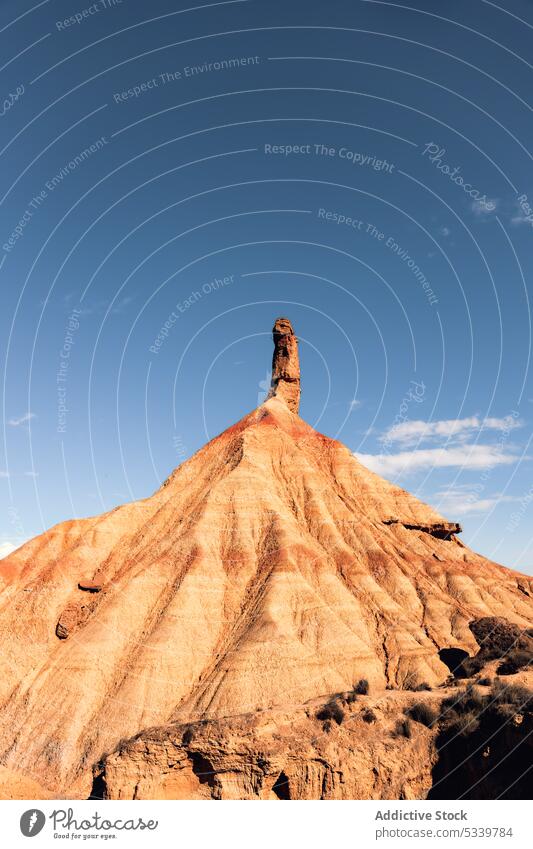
(279, 754)
(285, 365)
(270, 569)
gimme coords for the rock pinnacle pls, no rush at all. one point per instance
(285, 382)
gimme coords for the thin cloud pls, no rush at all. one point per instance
(462, 500)
(463, 456)
(22, 420)
(411, 432)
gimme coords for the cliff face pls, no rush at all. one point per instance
(282, 754)
(270, 568)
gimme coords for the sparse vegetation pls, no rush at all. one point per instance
(515, 661)
(423, 713)
(484, 682)
(423, 686)
(497, 637)
(515, 695)
(123, 744)
(469, 698)
(485, 733)
(463, 712)
(464, 723)
(187, 737)
(471, 666)
(362, 688)
(403, 728)
(369, 716)
(498, 640)
(331, 711)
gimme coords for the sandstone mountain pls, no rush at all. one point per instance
(270, 569)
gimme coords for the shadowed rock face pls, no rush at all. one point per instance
(285, 365)
(269, 569)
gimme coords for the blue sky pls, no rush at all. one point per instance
(176, 176)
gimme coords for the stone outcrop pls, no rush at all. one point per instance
(441, 530)
(262, 574)
(74, 616)
(285, 365)
(285, 754)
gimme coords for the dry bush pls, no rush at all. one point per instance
(332, 710)
(515, 661)
(369, 716)
(403, 728)
(423, 713)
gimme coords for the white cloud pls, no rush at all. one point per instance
(445, 231)
(4, 474)
(411, 432)
(353, 404)
(463, 456)
(22, 420)
(482, 505)
(462, 499)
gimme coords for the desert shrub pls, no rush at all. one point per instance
(505, 712)
(403, 728)
(362, 688)
(423, 713)
(515, 695)
(497, 637)
(331, 710)
(327, 726)
(124, 744)
(351, 697)
(369, 716)
(470, 666)
(514, 661)
(484, 682)
(463, 724)
(187, 737)
(469, 700)
(420, 687)
(469, 710)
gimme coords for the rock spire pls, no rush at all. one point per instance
(285, 382)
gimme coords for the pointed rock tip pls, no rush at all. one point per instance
(285, 383)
